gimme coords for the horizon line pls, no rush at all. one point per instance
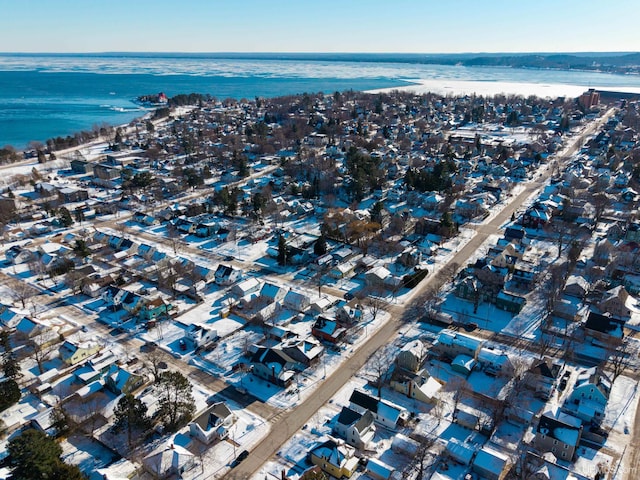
(112, 52)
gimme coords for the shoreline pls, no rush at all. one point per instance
(492, 88)
(443, 87)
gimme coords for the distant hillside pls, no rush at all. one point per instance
(626, 63)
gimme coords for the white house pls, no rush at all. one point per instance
(296, 301)
(245, 287)
(212, 424)
(227, 275)
(357, 429)
(201, 335)
(384, 412)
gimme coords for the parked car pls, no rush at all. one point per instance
(241, 456)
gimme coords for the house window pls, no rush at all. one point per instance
(555, 442)
(566, 446)
(564, 454)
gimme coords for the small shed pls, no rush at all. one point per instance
(404, 445)
(463, 364)
(491, 464)
(379, 470)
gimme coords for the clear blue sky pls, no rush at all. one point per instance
(411, 26)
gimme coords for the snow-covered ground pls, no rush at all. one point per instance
(467, 87)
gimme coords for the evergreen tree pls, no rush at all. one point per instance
(131, 413)
(33, 455)
(65, 217)
(320, 247)
(79, 214)
(9, 394)
(80, 248)
(10, 365)
(282, 250)
(176, 402)
(243, 168)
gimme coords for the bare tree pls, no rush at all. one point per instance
(423, 458)
(92, 411)
(22, 292)
(617, 359)
(173, 237)
(375, 301)
(155, 362)
(42, 345)
(459, 387)
(437, 411)
(379, 364)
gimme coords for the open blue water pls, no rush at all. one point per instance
(44, 96)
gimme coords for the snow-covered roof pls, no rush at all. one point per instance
(490, 460)
(460, 451)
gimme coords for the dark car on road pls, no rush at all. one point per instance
(241, 456)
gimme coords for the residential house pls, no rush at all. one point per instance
(510, 302)
(381, 277)
(347, 314)
(296, 301)
(543, 376)
(17, 255)
(145, 219)
(227, 275)
(94, 286)
(121, 380)
(355, 428)
(524, 274)
(132, 302)
(411, 356)
(536, 217)
(153, 309)
(569, 308)
(576, 286)
(274, 366)
(468, 288)
(494, 361)
(72, 195)
(384, 412)
(169, 460)
(81, 166)
(590, 394)
(419, 386)
(336, 459)
(604, 328)
(328, 329)
(245, 287)
(29, 328)
(8, 206)
(452, 344)
(204, 274)
(614, 302)
(200, 335)
(212, 424)
(9, 317)
(271, 293)
(305, 352)
(73, 352)
(558, 433)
